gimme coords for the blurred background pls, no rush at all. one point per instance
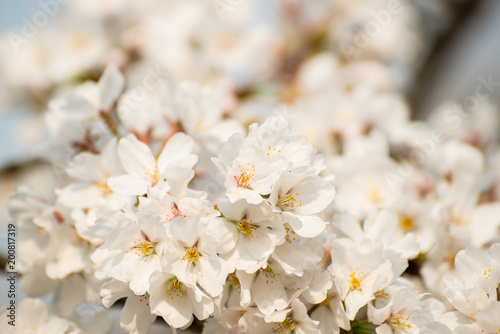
(437, 51)
(11, 151)
(463, 45)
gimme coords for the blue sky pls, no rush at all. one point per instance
(12, 12)
(11, 15)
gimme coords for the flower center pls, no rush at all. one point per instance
(406, 222)
(174, 212)
(287, 326)
(104, 188)
(246, 174)
(246, 227)
(356, 279)
(289, 202)
(402, 321)
(326, 302)
(152, 174)
(143, 248)
(381, 294)
(79, 42)
(374, 195)
(192, 255)
(459, 221)
(269, 273)
(200, 127)
(234, 282)
(175, 288)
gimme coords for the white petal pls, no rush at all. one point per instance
(485, 221)
(384, 329)
(305, 226)
(136, 157)
(113, 290)
(202, 308)
(80, 195)
(177, 152)
(128, 185)
(140, 280)
(225, 234)
(207, 276)
(269, 294)
(354, 301)
(110, 86)
(32, 312)
(317, 291)
(246, 281)
(177, 312)
(136, 316)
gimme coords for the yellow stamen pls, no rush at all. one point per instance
(285, 327)
(175, 288)
(247, 172)
(289, 202)
(192, 255)
(246, 227)
(143, 248)
(152, 174)
(326, 302)
(459, 221)
(269, 273)
(487, 274)
(403, 321)
(290, 235)
(406, 222)
(356, 279)
(375, 196)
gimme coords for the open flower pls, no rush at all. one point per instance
(291, 320)
(92, 172)
(132, 249)
(143, 169)
(247, 175)
(176, 302)
(361, 269)
(300, 196)
(251, 232)
(192, 255)
(135, 316)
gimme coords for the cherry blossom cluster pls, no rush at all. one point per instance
(186, 214)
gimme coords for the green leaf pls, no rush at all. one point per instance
(362, 327)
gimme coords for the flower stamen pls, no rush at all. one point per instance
(289, 202)
(176, 288)
(192, 255)
(143, 247)
(356, 280)
(247, 172)
(246, 227)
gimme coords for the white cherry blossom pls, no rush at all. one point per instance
(135, 253)
(300, 196)
(192, 256)
(361, 269)
(143, 169)
(250, 233)
(177, 302)
(135, 317)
